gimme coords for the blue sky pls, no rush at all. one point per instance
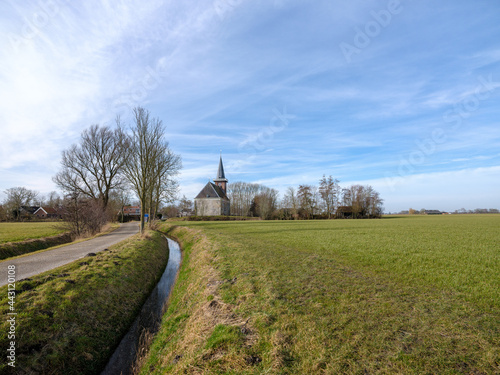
(403, 95)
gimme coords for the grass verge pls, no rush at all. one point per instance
(409, 295)
(70, 319)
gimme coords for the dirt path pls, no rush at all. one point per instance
(30, 265)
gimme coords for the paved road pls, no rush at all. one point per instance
(34, 264)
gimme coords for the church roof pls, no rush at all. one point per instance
(220, 172)
(211, 191)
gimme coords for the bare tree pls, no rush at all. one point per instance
(242, 195)
(164, 187)
(93, 167)
(17, 197)
(264, 203)
(150, 164)
(53, 199)
(118, 199)
(185, 205)
(363, 200)
(305, 195)
(83, 215)
(329, 190)
(291, 202)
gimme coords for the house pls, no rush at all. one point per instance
(212, 199)
(28, 210)
(132, 211)
(46, 213)
(344, 212)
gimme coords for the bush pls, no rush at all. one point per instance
(83, 215)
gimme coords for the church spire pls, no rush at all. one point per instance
(220, 172)
(221, 179)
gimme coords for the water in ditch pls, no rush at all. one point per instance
(149, 319)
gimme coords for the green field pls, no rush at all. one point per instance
(400, 295)
(13, 232)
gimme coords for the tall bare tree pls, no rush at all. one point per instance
(329, 191)
(291, 201)
(93, 167)
(150, 164)
(17, 197)
(306, 197)
(164, 187)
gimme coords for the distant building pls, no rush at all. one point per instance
(132, 211)
(343, 212)
(46, 213)
(212, 199)
(433, 212)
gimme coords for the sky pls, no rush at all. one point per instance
(401, 95)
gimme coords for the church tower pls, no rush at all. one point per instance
(221, 179)
(212, 199)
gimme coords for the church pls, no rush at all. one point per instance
(212, 199)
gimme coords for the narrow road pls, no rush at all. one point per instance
(30, 265)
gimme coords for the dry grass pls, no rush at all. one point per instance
(197, 315)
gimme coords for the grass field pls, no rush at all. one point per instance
(400, 295)
(13, 232)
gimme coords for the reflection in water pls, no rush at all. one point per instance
(149, 318)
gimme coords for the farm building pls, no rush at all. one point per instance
(46, 213)
(212, 199)
(132, 211)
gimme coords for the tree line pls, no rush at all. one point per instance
(106, 165)
(325, 200)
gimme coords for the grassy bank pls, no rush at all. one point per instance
(13, 232)
(412, 295)
(199, 327)
(70, 319)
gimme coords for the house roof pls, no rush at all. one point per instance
(211, 191)
(30, 209)
(220, 172)
(47, 210)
